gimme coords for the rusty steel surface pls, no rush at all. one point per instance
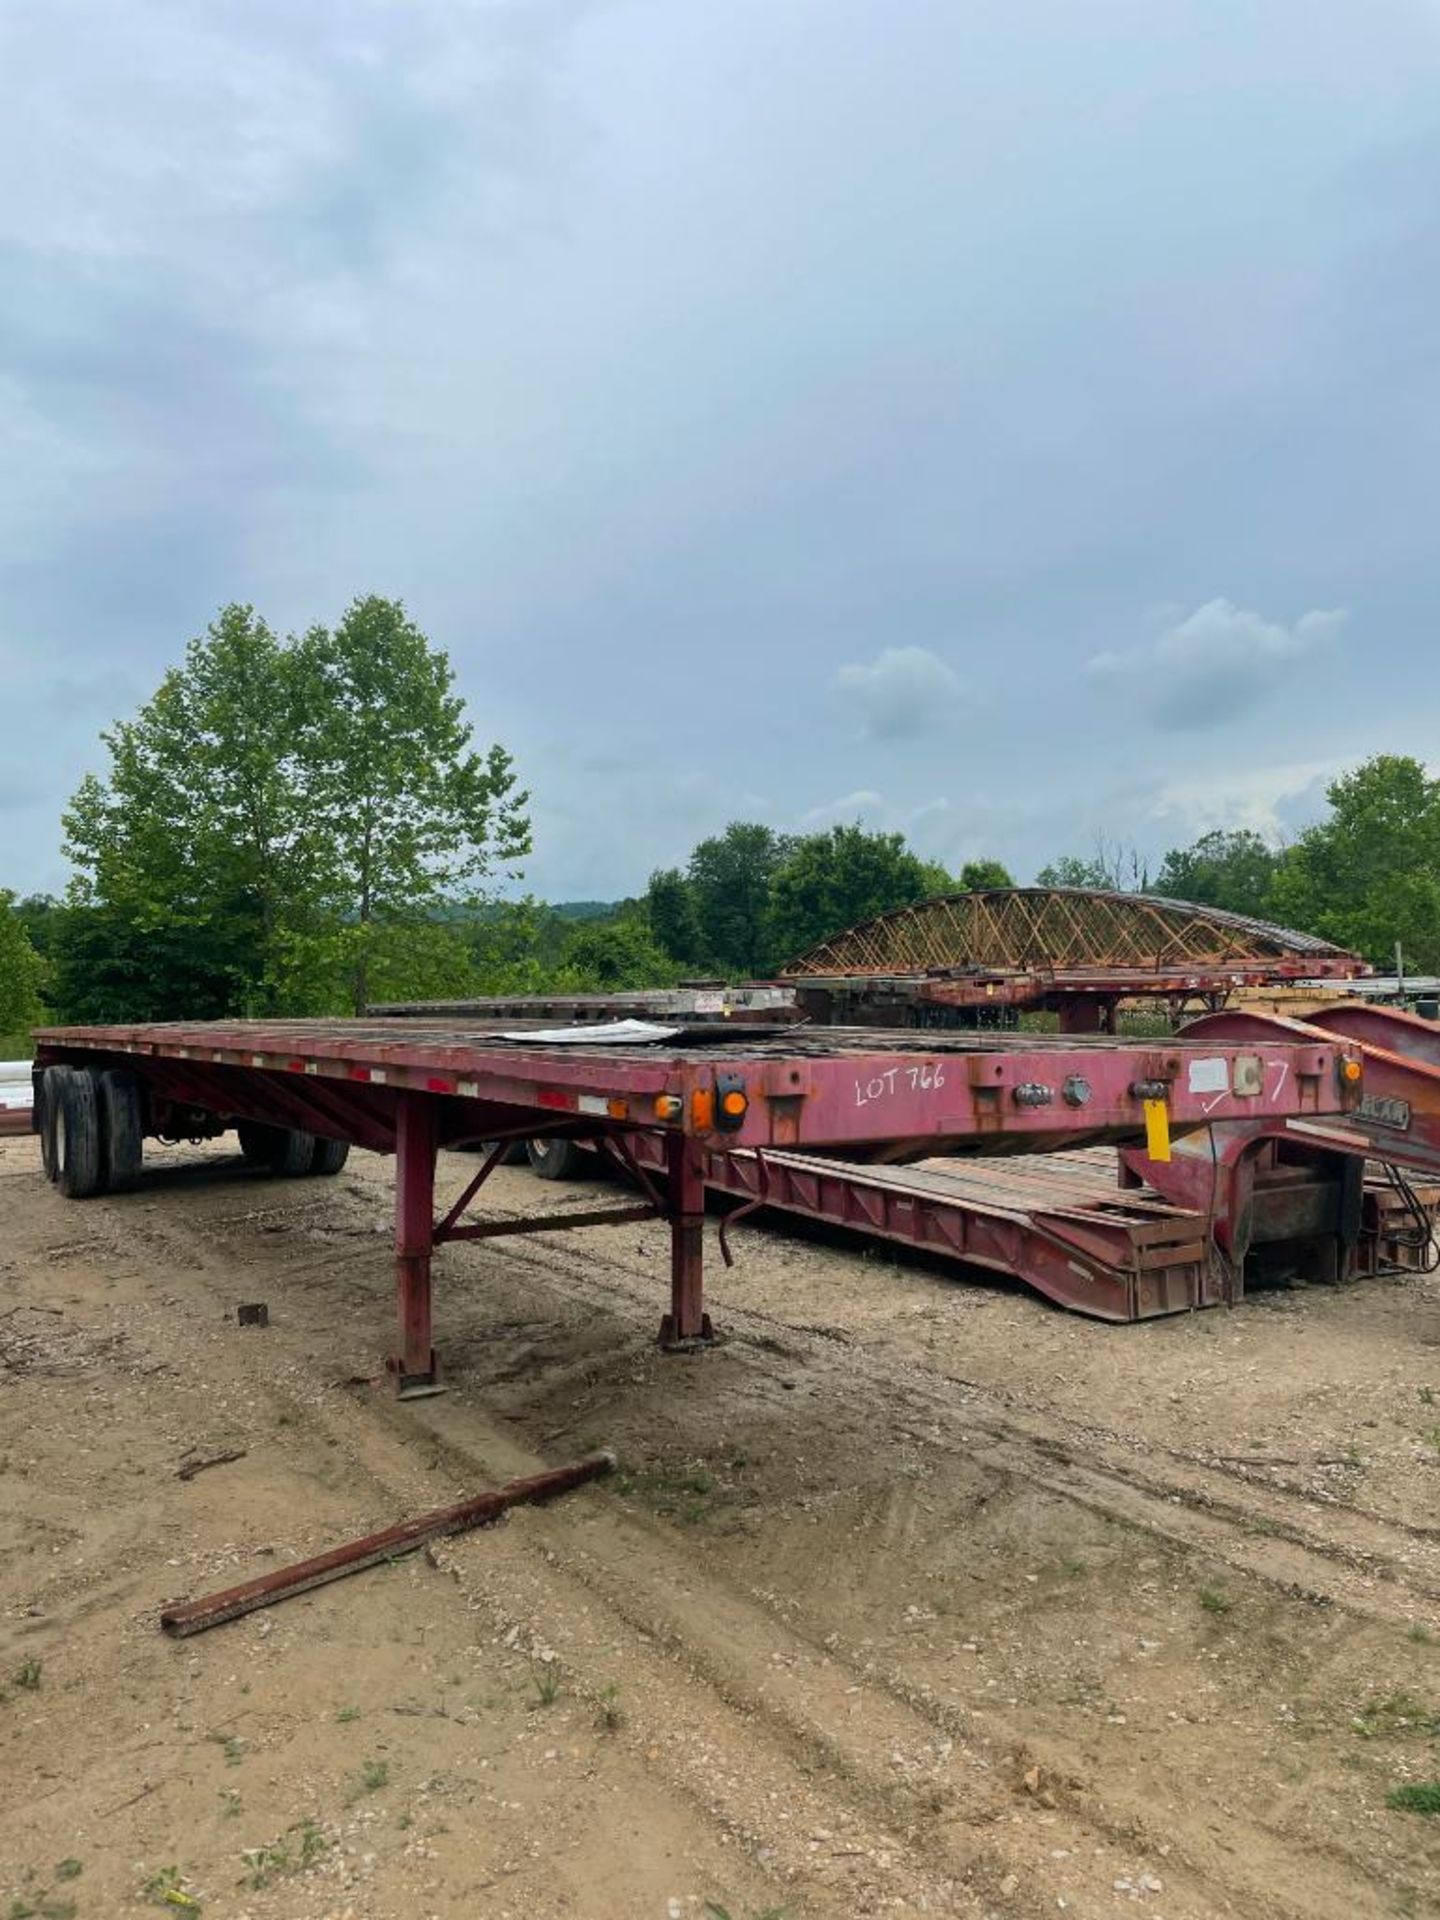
(16, 1120)
(900, 1093)
(1030, 929)
(1251, 1175)
(1059, 1223)
(750, 1003)
(195, 1616)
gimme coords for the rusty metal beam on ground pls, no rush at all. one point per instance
(195, 1616)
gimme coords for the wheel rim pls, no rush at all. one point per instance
(59, 1137)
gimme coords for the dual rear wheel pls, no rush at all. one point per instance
(92, 1123)
(92, 1129)
(289, 1152)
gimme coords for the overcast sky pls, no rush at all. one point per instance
(1002, 421)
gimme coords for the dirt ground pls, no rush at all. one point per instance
(916, 1596)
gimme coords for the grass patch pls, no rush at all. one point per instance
(346, 1715)
(27, 1675)
(545, 1678)
(671, 1490)
(1417, 1796)
(1215, 1600)
(297, 1848)
(374, 1774)
(166, 1888)
(609, 1717)
(1392, 1714)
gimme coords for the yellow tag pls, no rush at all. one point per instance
(1157, 1130)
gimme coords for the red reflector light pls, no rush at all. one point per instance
(547, 1097)
(440, 1086)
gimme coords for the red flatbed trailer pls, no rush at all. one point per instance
(872, 1096)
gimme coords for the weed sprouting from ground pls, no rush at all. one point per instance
(1214, 1600)
(166, 1888)
(545, 1678)
(1417, 1796)
(297, 1848)
(1391, 1714)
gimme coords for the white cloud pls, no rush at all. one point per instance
(900, 693)
(1216, 662)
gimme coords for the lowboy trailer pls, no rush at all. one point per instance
(301, 1092)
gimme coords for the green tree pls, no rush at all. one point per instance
(607, 956)
(1369, 875)
(976, 876)
(201, 822)
(1070, 870)
(1113, 865)
(670, 903)
(729, 879)
(828, 881)
(283, 826)
(410, 816)
(1232, 869)
(107, 968)
(20, 976)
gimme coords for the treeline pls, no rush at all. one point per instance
(285, 827)
(302, 825)
(1367, 876)
(750, 898)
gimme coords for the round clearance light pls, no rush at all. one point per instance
(1350, 1070)
(734, 1104)
(668, 1106)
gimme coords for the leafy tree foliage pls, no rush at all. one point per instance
(670, 905)
(976, 876)
(1071, 870)
(282, 826)
(1234, 870)
(729, 880)
(1369, 875)
(1114, 864)
(828, 881)
(611, 955)
(200, 824)
(20, 973)
(409, 815)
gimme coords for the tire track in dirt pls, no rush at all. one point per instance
(789, 1717)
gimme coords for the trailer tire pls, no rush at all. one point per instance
(47, 1095)
(554, 1159)
(122, 1128)
(286, 1151)
(329, 1155)
(75, 1123)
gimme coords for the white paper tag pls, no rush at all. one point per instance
(1209, 1076)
